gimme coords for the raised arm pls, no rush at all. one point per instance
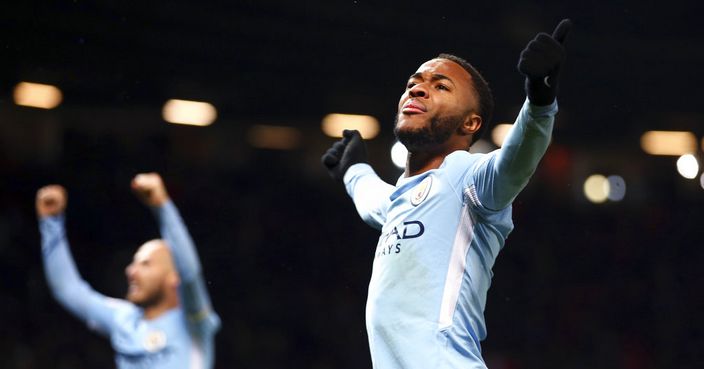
(346, 161)
(66, 284)
(508, 170)
(150, 189)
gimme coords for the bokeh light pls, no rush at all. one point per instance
(617, 188)
(687, 166)
(498, 134)
(399, 154)
(37, 95)
(334, 124)
(596, 188)
(195, 113)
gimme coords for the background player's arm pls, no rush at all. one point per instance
(346, 161)
(507, 172)
(195, 300)
(66, 284)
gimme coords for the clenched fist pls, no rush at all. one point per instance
(51, 201)
(345, 153)
(150, 189)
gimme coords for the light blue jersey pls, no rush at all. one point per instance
(181, 338)
(441, 232)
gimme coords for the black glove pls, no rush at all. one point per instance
(343, 154)
(540, 62)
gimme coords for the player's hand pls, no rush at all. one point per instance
(343, 154)
(540, 63)
(51, 200)
(150, 189)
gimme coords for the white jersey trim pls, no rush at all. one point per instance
(456, 268)
(471, 192)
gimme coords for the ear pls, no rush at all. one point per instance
(173, 280)
(471, 124)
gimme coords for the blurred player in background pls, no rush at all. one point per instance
(166, 320)
(446, 219)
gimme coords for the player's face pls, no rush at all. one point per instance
(148, 274)
(438, 98)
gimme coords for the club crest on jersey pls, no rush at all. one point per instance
(155, 341)
(421, 191)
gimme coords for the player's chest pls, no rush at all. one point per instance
(141, 340)
(428, 198)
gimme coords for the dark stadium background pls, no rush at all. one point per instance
(287, 260)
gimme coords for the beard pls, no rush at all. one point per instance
(146, 298)
(437, 132)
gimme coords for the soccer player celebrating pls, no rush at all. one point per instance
(446, 219)
(166, 321)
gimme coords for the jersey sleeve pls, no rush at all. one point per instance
(193, 292)
(369, 193)
(503, 173)
(66, 284)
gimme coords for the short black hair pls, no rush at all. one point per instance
(481, 87)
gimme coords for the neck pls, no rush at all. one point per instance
(422, 161)
(154, 311)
